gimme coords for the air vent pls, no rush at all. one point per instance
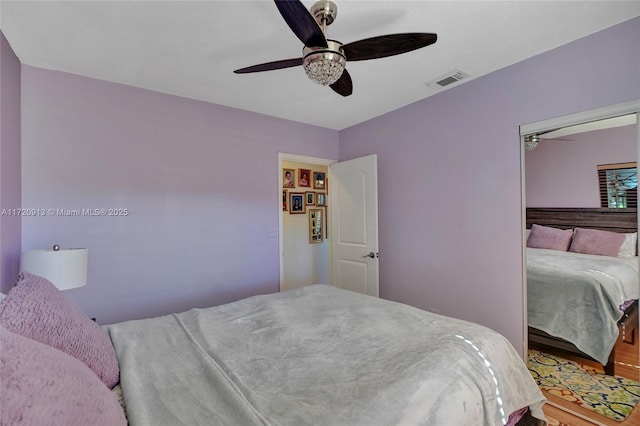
(447, 79)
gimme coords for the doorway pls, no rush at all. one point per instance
(304, 258)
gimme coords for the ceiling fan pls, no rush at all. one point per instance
(531, 141)
(324, 59)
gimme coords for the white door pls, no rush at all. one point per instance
(353, 224)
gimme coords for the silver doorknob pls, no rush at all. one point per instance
(371, 255)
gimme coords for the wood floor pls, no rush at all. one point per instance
(565, 413)
(570, 414)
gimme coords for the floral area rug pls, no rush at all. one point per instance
(612, 397)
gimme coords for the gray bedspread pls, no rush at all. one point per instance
(318, 355)
(577, 297)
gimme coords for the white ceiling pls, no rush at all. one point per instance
(190, 48)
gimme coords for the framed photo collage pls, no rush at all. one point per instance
(305, 191)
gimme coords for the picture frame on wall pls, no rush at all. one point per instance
(316, 231)
(304, 178)
(309, 198)
(288, 178)
(326, 222)
(319, 180)
(320, 199)
(296, 203)
(284, 201)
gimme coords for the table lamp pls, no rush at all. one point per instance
(64, 268)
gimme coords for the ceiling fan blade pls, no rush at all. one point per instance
(343, 86)
(387, 45)
(301, 22)
(268, 66)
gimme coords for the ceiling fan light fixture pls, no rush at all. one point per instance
(324, 66)
(530, 142)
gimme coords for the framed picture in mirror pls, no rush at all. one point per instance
(618, 184)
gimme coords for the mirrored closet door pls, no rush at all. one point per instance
(580, 182)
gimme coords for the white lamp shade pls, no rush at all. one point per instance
(65, 268)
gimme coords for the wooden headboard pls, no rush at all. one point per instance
(614, 220)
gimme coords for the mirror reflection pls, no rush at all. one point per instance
(582, 266)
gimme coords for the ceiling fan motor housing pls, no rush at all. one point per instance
(324, 12)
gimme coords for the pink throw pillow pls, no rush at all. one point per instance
(36, 309)
(546, 237)
(43, 386)
(593, 241)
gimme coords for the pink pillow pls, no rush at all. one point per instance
(36, 309)
(593, 241)
(546, 237)
(43, 386)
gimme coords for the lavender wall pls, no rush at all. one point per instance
(564, 173)
(449, 175)
(10, 232)
(200, 183)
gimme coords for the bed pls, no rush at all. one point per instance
(316, 355)
(580, 302)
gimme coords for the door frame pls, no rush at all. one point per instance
(283, 156)
(595, 114)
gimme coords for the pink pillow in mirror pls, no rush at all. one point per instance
(546, 237)
(593, 241)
